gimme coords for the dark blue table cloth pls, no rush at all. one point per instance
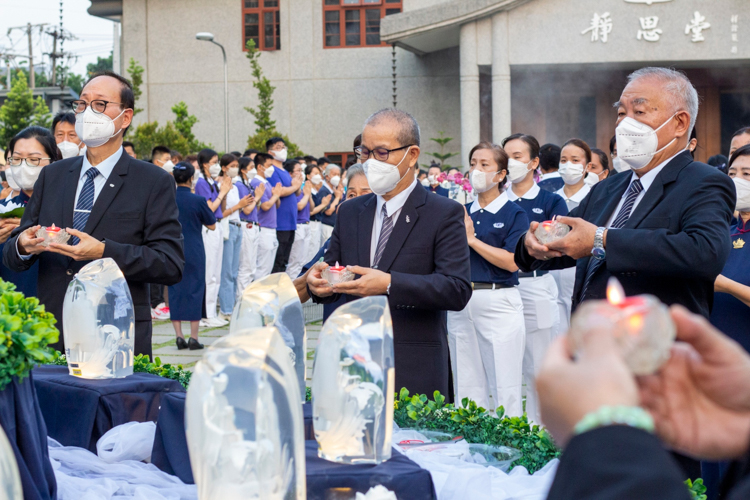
(78, 411)
(24, 426)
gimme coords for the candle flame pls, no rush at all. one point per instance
(615, 292)
(337, 264)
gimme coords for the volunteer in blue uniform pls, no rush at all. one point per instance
(28, 152)
(486, 338)
(187, 298)
(538, 288)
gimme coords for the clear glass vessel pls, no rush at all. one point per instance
(10, 479)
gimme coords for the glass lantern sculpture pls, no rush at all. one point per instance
(10, 479)
(273, 301)
(244, 423)
(99, 323)
(353, 383)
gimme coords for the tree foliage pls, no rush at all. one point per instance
(135, 71)
(101, 64)
(21, 110)
(442, 156)
(262, 113)
(147, 135)
(184, 122)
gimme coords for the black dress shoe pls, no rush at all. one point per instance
(181, 344)
(194, 345)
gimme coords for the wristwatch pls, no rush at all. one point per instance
(598, 252)
(388, 289)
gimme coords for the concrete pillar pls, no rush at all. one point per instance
(501, 124)
(469, 91)
(116, 67)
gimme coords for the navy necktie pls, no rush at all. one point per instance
(85, 203)
(385, 233)
(622, 218)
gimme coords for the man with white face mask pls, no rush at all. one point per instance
(433, 185)
(113, 206)
(162, 158)
(660, 229)
(327, 217)
(286, 216)
(404, 244)
(63, 129)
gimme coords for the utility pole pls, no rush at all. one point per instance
(28, 28)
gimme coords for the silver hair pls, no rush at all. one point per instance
(408, 129)
(682, 93)
(329, 169)
(354, 171)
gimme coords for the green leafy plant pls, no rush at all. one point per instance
(697, 489)
(21, 110)
(135, 71)
(147, 135)
(308, 394)
(184, 122)
(101, 64)
(442, 156)
(26, 329)
(477, 425)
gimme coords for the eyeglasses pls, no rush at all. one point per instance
(15, 162)
(381, 154)
(97, 106)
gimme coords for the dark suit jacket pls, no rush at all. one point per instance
(619, 462)
(135, 215)
(438, 190)
(428, 260)
(673, 246)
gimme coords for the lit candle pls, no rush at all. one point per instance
(337, 274)
(641, 325)
(550, 230)
(52, 231)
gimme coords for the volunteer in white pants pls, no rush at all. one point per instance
(538, 288)
(213, 241)
(319, 202)
(331, 186)
(575, 160)
(302, 232)
(487, 337)
(250, 226)
(269, 201)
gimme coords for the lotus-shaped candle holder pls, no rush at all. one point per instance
(337, 274)
(52, 234)
(550, 230)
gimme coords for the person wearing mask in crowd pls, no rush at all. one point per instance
(193, 160)
(129, 149)
(549, 164)
(455, 191)
(250, 153)
(317, 205)
(331, 186)
(176, 157)
(187, 298)
(29, 152)
(433, 182)
(740, 138)
(230, 260)
(236, 154)
(323, 162)
(250, 226)
(14, 190)
(215, 194)
(598, 169)
(418, 252)
(161, 156)
(298, 255)
(719, 161)
(267, 214)
(310, 160)
(487, 337)
(538, 289)
(422, 178)
(286, 214)
(64, 131)
(112, 206)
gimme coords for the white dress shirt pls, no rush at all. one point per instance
(233, 198)
(646, 180)
(531, 194)
(393, 207)
(576, 199)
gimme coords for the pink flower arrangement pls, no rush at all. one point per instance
(456, 179)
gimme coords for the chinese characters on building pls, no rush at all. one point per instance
(649, 31)
(734, 32)
(601, 27)
(696, 27)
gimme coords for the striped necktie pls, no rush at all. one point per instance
(85, 203)
(622, 218)
(385, 233)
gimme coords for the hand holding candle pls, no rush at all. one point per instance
(641, 325)
(337, 274)
(52, 234)
(550, 230)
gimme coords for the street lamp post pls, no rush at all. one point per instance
(209, 37)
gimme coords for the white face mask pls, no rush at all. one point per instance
(68, 149)
(482, 181)
(281, 155)
(168, 166)
(591, 179)
(251, 174)
(316, 179)
(268, 172)
(637, 142)
(619, 165)
(25, 175)
(232, 172)
(742, 187)
(384, 177)
(425, 182)
(214, 170)
(517, 170)
(571, 173)
(196, 176)
(95, 129)
(432, 179)
(335, 180)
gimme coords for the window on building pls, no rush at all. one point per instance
(355, 23)
(340, 159)
(261, 20)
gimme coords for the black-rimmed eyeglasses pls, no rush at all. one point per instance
(34, 162)
(381, 154)
(97, 106)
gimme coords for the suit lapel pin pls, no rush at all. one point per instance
(408, 219)
(111, 185)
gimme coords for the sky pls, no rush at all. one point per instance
(94, 33)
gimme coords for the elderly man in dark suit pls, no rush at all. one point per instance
(406, 244)
(113, 206)
(662, 229)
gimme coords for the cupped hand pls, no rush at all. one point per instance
(579, 241)
(7, 226)
(260, 190)
(318, 286)
(326, 200)
(535, 248)
(247, 200)
(29, 244)
(226, 184)
(276, 190)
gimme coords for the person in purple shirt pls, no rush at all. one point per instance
(213, 241)
(298, 254)
(250, 226)
(267, 215)
(286, 219)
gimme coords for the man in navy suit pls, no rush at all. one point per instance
(406, 244)
(662, 229)
(432, 177)
(114, 206)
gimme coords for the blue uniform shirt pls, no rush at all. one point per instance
(244, 190)
(499, 224)
(438, 189)
(729, 314)
(539, 205)
(286, 215)
(329, 220)
(552, 182)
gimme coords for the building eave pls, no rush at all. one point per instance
(110, 10)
